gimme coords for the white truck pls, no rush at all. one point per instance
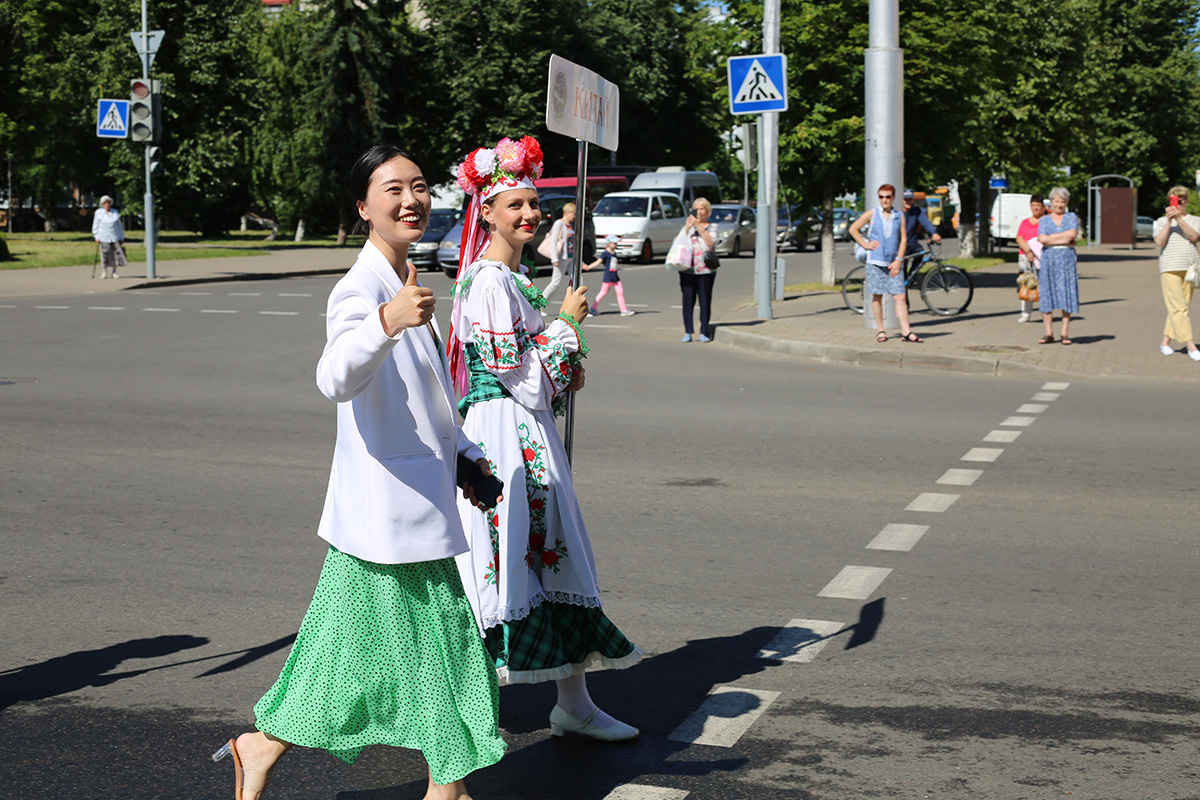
(1009, 209)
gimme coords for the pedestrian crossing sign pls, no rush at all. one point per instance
(112, 119)
(758, 83)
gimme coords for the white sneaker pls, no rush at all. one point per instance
(1194, 355)
(628, 313)
(1023, 318)
(1166, 350)
(115, 275)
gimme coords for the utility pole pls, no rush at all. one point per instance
(768, 175)
(151, 233)
(884, 91)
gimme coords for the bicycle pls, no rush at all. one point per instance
(946, 289)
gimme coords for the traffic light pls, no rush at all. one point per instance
(154, 159)
(145, 113)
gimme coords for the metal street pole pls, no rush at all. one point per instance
(768, 160)
(884, 94)
(151, 233)
(576, 273)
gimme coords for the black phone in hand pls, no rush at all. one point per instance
(487, 487)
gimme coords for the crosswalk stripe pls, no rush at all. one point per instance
(960, 477)
(1055, 387)
(1046, 396)
(1002, 436)
(633, 791)
(987, 454)
(855, 583)
(724, 716)
(1019, 422)
(898, 536)
(932, 502)
(800, 640)
(1032, 408)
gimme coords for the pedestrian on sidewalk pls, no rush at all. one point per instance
(697, 283)
(608, 257)
(1058, 285)
(915, 221)
(110, 236)
(562, 248)
(1030, 256)
(886, 243)
(388, 652)
(1177, 232)
(531, 566)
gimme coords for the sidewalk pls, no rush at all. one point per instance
(1116, 333)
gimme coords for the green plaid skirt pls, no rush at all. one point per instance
(557, 640)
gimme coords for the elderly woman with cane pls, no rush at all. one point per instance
(110, 237)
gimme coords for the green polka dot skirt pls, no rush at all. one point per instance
(389, 654)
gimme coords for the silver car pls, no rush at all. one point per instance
(733, 229)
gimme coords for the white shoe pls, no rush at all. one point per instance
(629, 313)
(115, 275)
(1194, 355)
(1023, 318)
(1166, 350)
(561, 721)
(104, 275)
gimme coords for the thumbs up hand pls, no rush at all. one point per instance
(410, 308)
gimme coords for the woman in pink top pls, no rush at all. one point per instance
(1031, 249)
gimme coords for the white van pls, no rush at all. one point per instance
(1009, 210)
(645, 223)
(685, 185)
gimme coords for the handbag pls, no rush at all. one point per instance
(710, 260)
(679, 257)
(1028, 293)
(860, 252)
(1192, 275)
(545, 249)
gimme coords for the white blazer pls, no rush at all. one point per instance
(392, 493)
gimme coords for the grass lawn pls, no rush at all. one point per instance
(69, 249)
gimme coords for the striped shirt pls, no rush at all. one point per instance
(1179, 252)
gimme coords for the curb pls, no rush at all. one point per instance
(893, 359)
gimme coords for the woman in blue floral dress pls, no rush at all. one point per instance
(1058, 283)
(531, 564)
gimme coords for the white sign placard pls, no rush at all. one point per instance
(148, 44)
(582, 105)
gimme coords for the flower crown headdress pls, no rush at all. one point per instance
(509, 165)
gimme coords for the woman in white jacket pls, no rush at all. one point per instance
(389, 652)
(110, 236)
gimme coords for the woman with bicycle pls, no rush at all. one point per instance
(885, 242)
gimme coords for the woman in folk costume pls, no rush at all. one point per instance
(531, 561)
(388, 652)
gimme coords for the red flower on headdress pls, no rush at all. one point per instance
(533, 156)
(468, 169)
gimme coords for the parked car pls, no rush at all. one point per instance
(423, 254)
(733, 229)
(685, 185)
(551, 204)
(843, 218)
(644, 221)
(1145, 227)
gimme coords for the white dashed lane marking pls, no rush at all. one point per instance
(724, 716)
(1054, 387)
(634, 791)
(1019, 422)
(197, 294)
(986, 454)
(999, 436)
(898, 536)
(800, 640)
(293, 294)
(218, 311)
(1032, 408)
(932, 502)
(54, 308)
(106, 308)
(245, 294)
(280, 313)
(855, 583)
(960, 477)
(1046, 397)
(160, 309)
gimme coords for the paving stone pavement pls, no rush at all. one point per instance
(1116, 333)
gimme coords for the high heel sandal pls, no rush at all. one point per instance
(239, 773)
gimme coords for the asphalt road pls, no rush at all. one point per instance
(163, 472)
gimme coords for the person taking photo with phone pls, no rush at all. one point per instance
(1176, 232)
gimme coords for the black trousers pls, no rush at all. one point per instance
(697, 286)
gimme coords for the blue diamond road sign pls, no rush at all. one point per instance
(758, 83)
(112, 119)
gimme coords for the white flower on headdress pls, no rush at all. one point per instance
(485, 162)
